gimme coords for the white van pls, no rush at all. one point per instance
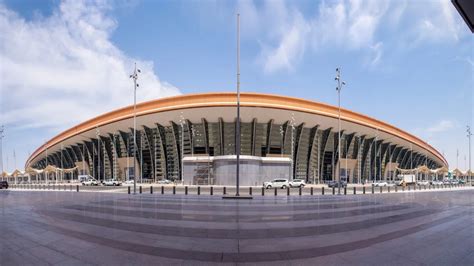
(83, 178)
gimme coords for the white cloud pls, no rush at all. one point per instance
(59, 70)
(290, 48)
(377, 53)
(441, 126)
(285, 32)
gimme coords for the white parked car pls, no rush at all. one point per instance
(128, 182)
(437, 183)
(390, 184)
(278, 183)
(112, 182)
(90, 182)
(423, 183)
(297, 183)
(164, 181)
(380, 184)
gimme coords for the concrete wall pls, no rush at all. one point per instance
(253, 170)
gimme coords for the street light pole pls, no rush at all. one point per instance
(237, 131)
(338, 89)
(134, 76)
(469, 134)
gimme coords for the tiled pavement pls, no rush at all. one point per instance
(68, 228)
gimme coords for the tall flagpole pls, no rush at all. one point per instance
(237, 139)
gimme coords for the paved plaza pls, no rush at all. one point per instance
(69, 228)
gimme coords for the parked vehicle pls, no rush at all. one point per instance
(436, 183)
(454, 182)
(380, 183)
(405, 179)
(277, 183)
(297, 183)
(90, 182)
(165, 181)
(391, 184)
(130, 181)
(446, 182)
(423, 183)
(3, 184)
(337, 184)
(83, 178)
(112, 182)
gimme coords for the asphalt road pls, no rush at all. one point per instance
(70, 228)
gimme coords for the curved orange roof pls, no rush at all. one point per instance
(228, 99)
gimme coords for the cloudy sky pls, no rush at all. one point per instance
(409, 63)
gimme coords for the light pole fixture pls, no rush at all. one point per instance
(134, 76)
(97, 132)
(181, 123)
(338, 89)
(237, 131)
(469, 134)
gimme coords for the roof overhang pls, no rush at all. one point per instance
(213, 106)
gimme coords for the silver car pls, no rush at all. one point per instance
(277, 183)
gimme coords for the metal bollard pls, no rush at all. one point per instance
(301, 192)
(199, 190)
(162, 189)
(250, 191)
(128, 190)
(287, 191)
(151, 189)
(211, 191)
(322, 191)
(363, 190)
(373, 188)
(276, 191)
(354, 190)
(186, 190)
(224, 191)
(311, 191)
(333, 190)
(174, 190)
(388, 189)
(345, 190)
(77, 188)
(263, 191)
(140, 189)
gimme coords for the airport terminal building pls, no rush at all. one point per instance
(191, 139)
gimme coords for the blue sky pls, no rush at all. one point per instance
(409, 63)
